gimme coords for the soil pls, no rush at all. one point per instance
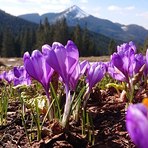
(106, 110)
(108, 115)
(18, 61)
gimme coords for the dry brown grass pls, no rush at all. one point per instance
(96, 59)
(18, 61)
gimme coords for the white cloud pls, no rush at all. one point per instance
(130, 8)
(18, 7)
(44, 2)
(114, 8)
(143, 14)
(83, 1)
(117, 8)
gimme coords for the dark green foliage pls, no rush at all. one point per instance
(18, 36)
(61, 31)
(40, 40)
(85, 42)
(77, 37)
(28, 39)
(112, 47)
(14, 23)
(143, 49)
(8, 44)
(145, 46)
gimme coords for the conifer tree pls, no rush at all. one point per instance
(47, 32)
(77, 38)
(40, 38)
(85, 42)
(145, 46)
(8, 49)
(92, 48)
(17, 46)
(112, 47)
(61, 31)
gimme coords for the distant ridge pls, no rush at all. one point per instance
(13, 22)
(75, 15)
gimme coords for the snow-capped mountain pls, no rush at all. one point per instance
(70, 14)
(74, 12)
(74, 15)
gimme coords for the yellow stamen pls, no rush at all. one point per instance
(145, 102)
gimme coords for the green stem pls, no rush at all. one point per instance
(67, 107)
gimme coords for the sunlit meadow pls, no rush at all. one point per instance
(53, 87)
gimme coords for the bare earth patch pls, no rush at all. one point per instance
(18, 61)
(108, 116)
(104, 106)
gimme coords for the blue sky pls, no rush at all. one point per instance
(124, 12)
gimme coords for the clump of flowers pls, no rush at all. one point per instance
(62, 64)
(17, 76)
(127, 66)
(63, 59)
(94, 74)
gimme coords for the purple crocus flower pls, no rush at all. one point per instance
(8, 76)
(37, 67)
(95, 73)
(75, 77)
(139, 62)
(84, 65)
(127, 66)
(17, 75)
(146, 64)
(63, 59)
(125, 47)
(116, 73)
(125, 63)
(137, 124)
(21, 76)
(80, 70)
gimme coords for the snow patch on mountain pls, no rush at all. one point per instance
(76, 12)
(124, 28)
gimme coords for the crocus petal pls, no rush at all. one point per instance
(137, 124)
(45, 49)
(84, 65)
(139, 62)
(37, 68)
(8, 76)
(75, 77)
(117, 61)
(126, 61)
(95, 73)
(21, 76)
(116, 74)
(22, 81)
(125, 47)
(17, 72)
(146, 64)
(32, 71)
(63, 59)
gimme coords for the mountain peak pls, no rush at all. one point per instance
(74, 8)
(75, 12)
